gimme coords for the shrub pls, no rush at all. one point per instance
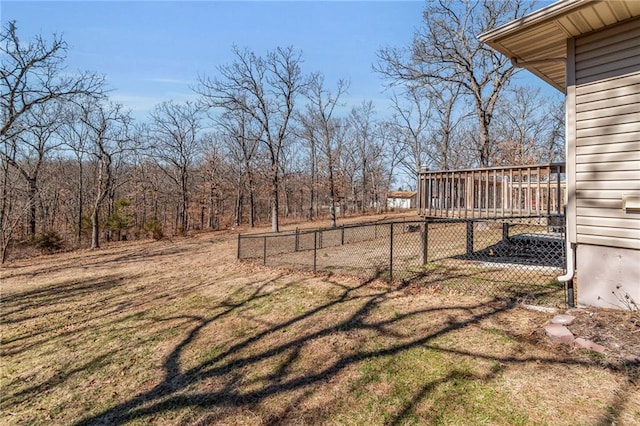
(154, 228)
(120, 219)
(49, 241)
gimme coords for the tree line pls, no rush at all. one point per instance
(264, 139)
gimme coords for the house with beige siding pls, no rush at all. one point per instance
(590, 50)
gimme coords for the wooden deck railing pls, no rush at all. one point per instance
(532, 191)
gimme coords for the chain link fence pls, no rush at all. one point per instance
(516, 258)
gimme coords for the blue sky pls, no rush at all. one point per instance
(155, 51)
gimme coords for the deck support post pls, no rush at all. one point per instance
(470, 237)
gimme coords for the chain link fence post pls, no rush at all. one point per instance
(391, 252)
(264, 250)
(315, 250)
(425, 242)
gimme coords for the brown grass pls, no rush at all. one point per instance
(178, 332)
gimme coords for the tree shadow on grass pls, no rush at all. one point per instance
(68, 317)
(93, 297)
(48, 304)
(145, 251)
(235, 389)
(59, 378)
(65, 291)
(223, 384)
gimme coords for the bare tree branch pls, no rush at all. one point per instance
(33, 74)
(446, 51)
(265, 89)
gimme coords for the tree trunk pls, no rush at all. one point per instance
(5, 210)
(332, 193)
(210, 224)
(364, 187)
(95, 228)
(110, 210)
(184, 203)
(252, 207)
(80, 202)
(176, 220)
(312, 197)
(252, 200)
(143, 219)
(238, 209)
(33, 206)
(275, 225)
(485, 151)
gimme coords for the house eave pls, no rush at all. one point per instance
(545, 14)
(537, 42)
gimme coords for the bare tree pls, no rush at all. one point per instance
(150, 187)
(320, 129)
(32, 73)
(555, 138)
(445, 50)
(76, 136)
(444, 126)
(12, 211)
(33, 85)
(175, 129)
(108, 127)
(392, 158)
(530, 127)
(384, 158)
(362, 126)
(31, 149)
(213, 173)
(308, 132)
(238, 130)
(349, 167)
(410, 123)
(266, 89)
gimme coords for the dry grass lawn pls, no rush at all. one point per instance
(179, 332)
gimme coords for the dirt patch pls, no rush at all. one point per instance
(618, 331)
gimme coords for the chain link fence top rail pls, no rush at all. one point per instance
(517, 258)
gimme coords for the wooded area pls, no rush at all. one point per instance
(266, 139)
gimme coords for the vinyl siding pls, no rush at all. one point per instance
(607, 129)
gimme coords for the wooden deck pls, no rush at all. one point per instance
(524, 191)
